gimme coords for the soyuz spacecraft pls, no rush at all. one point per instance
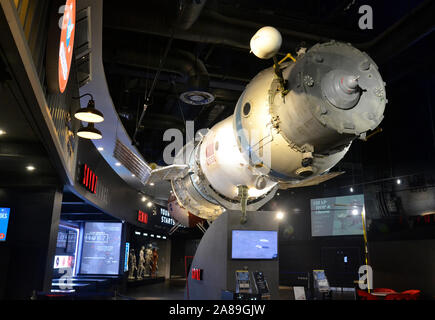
(291, 125)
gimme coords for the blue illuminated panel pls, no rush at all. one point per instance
(127, 252)
(4, 220)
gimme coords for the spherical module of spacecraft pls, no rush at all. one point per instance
(266, 42)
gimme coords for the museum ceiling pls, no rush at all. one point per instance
(162, 49)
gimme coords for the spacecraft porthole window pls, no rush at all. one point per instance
(246, 109)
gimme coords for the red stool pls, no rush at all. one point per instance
(411, 294)
(365, 295)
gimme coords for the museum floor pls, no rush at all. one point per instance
(169, 290)
(174, 290)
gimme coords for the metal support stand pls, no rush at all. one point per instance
(243, 195)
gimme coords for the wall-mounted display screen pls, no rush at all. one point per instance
(101, 248)
(337, 216)
(254, 244)
(4, 221)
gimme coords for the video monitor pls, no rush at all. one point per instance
(254, 244)
(101, 248)
(337, 216)
(4, 221)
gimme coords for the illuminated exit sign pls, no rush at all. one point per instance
(142, 217)
(197, 274)
(89, 179)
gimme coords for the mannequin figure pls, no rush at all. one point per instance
(149, 259)
(141, 267)
(155, 260)
(133, 265)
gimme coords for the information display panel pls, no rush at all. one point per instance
(4, 221)
(337, 216)
(101, 248)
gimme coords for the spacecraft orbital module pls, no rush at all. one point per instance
(291, 125)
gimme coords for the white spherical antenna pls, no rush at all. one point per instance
(266, 42)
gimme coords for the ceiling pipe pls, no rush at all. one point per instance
(404, 33)
(179, 61)
(188, 12)
(211, 27)
(215, 28)
(149, 93)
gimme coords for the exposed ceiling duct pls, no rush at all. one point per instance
(210, 27)
(178, 61)
(188, 12)
(213, 27)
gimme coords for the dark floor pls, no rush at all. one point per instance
(173, 289)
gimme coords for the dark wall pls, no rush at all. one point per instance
(182, 248)
(300, 253)
(26, 258)
(403, 265)
(392, 211)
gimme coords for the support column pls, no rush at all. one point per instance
(27, 255)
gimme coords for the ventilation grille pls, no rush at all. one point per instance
(131, 161)
(82, 46)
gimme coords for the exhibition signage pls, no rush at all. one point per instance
(66, 43)
(165, 217)
(60, 44)
(89, 179)
(142, 217)
(4, 220)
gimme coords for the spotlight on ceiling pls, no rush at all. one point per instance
(118, 164)
(89, 114)
(355, 212)
(398, 181)
(144, 199)
(100, 149)
(89, 132)
(197, 98)
(30, 168)
(351, 189)
(149, 204)
(151, 184)
(280, 215)
(2, 132)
